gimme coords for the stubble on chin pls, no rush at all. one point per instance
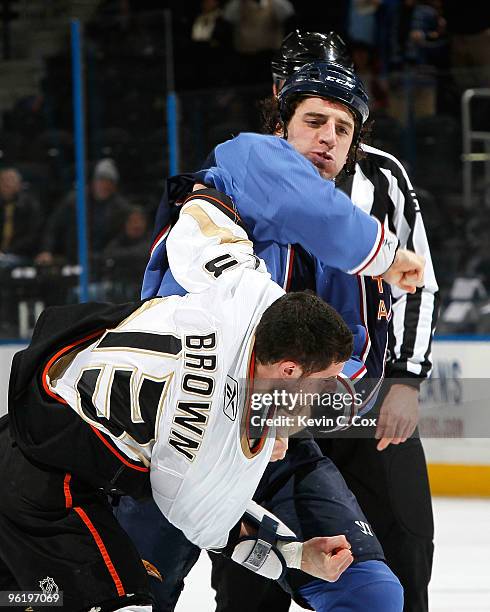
(326, 175)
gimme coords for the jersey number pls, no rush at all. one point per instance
(127, 409)
(219, 264)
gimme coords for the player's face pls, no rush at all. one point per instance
(322, 131)
(329, 374)
(291, 370)
(324, 381)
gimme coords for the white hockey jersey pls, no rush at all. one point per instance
(177, 365)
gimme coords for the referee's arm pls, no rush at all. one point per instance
(414, 315)
(384, 182)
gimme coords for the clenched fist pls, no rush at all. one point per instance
(326, 558)
(406, 271)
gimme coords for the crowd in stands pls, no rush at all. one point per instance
(417, 57)
(116, 229)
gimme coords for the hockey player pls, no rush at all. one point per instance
(130, 399)
(282, 198)
(374, 585)
(381, 481)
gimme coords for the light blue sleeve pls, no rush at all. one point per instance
(282, 198)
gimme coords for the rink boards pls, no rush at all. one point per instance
(461, 466)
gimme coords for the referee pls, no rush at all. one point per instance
(387, 474)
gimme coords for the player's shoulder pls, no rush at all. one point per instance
(253, 140)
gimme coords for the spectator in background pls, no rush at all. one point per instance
(420, 56)
(126, 256)
(362, 22)
(363, 35)
(20, 217)
(133, 242)
(211, 40)
(209, 25)
(258, 29)
(258, 24)
(106, 213)
(422, 32)
(422, 50)
(469, 31)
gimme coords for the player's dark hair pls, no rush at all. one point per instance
(303, 328)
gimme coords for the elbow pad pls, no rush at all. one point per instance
(272, 549)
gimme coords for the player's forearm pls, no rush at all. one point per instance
(282, 198)
(266, 546)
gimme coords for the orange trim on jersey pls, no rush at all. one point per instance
(102, 549)
(101, 436)
(67, 492)
(376, 251)
(62, 401)
(55, 357)
(207, 197)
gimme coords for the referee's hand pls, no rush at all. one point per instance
(398, 416)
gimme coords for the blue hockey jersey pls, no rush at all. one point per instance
(297, 223)
(282, 198)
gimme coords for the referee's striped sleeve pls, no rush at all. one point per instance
(395, 203)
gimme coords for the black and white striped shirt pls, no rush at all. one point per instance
(381, 187)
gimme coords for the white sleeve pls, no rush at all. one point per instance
(200, 480)
(205, 243)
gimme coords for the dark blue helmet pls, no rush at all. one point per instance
(300, 48)
(328, 80)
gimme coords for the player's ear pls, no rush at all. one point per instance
(289, 369)
(280, 131)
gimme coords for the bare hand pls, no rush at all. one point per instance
(398, 416)
(326, 558)
(279, 449)
(407, 271)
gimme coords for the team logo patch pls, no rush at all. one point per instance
(364, 527)
(230, 399)
(151, 570)
(48, 586)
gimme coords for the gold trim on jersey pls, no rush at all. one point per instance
(59, 367)
(209, 228)
(104, 410)
(151, 570)
(129, 349)
(251, 447)
(145, 306)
